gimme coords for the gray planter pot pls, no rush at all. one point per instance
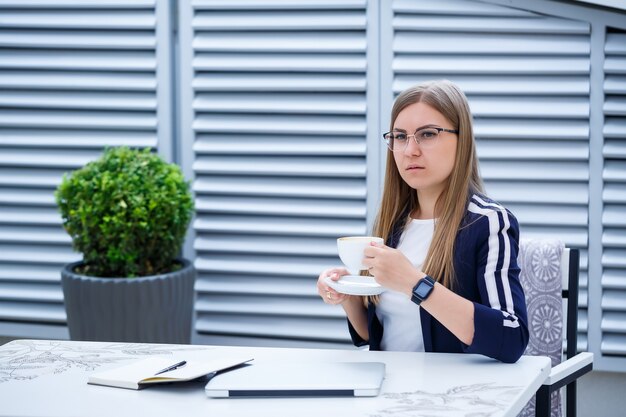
(153, 309)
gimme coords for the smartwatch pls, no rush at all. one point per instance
(422, 289)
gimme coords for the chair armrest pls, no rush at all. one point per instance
(570, 370)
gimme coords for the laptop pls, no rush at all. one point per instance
(299, 379)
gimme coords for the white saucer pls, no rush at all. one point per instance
(355, 285)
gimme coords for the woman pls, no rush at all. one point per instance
(449, 265)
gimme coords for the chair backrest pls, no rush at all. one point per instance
(549, 276)
(570, 267)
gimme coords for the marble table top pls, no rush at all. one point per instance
(49, 378)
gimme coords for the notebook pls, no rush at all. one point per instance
(299, 379)
(161, 369)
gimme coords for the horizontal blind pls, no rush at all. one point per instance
(614, 197)
(527, 80)
(279, 161)
(74, 77)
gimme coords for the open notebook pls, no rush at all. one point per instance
(299, 379)
(142, 373)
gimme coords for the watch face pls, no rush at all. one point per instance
(422, 290)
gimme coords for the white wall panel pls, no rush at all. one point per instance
(613, 301)
(74, 77)
(277, 104)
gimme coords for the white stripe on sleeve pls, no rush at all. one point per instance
(513, 324)
(492, 254)
(504, 273)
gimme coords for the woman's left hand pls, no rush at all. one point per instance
(391, 268)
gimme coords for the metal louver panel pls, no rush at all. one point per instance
(74, 77)
(531, 121)
(279, 157)
(614, 197)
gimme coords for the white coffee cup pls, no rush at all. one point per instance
(351, 251)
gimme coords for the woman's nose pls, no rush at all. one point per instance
(412, 147)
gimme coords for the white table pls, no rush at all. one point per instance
(49, 378)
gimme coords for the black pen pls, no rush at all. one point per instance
(171, 368)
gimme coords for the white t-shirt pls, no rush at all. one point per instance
(400, 316)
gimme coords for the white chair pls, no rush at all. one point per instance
(550, 278)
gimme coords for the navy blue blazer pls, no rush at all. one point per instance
(485, 263)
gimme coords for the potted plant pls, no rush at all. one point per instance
(128, 213)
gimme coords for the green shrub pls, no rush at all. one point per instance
(127, 213)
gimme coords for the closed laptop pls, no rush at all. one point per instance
(299, 379)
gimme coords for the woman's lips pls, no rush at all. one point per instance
(414, 167)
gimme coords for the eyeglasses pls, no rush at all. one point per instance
(426, 138)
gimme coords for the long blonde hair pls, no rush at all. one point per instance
(398, 198)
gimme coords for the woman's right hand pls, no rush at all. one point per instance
(329, 295)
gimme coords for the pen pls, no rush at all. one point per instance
(171, 368)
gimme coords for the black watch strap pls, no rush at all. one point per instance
(422, 289)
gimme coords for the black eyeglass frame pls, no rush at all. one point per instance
(438, 129)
